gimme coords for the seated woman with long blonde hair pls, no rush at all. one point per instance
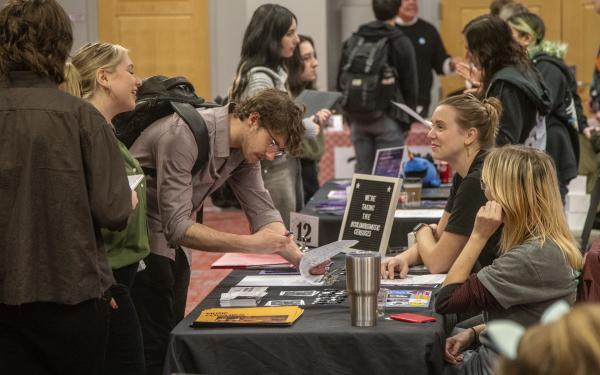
(538, 260)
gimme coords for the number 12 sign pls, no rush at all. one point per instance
(305, 226)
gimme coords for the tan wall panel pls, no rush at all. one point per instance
(165, 37)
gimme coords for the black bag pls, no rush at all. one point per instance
(158, 97)
(366, 78)
(570, 111)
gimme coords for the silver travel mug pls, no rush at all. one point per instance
(362, 280)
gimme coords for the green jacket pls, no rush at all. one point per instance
(313, 149)
(131, 244)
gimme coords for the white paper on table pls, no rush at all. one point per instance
(317, 256)
(274, 280)
(431, 279)
(434, 213)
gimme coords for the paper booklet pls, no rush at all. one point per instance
(408, 298)
(243, 297)
(309, 260)
(248, 316)
(251, 261)
(318, 255)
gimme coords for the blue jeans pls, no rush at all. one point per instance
(367, 137)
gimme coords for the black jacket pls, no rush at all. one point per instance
(401, 56)
(563, 138)
(523, 95)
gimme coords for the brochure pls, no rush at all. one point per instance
(251, 261)
(408, 298)
(248, 316)
(243, 296)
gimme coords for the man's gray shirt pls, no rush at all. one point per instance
(174, 195)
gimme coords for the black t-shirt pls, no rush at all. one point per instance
(466, 198)
(431, 54)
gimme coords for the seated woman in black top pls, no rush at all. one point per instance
(538, 260)
(463, 129)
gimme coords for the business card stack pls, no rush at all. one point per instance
(243, 296)
(577, 203)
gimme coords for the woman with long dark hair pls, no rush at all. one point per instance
(303, 76)
(270, 38)
(507, 74)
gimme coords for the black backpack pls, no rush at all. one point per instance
(366, 78)
(570, 111)
(160, 96)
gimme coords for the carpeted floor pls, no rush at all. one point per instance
(203, 279)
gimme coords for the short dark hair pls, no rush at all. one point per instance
(278, 113)
(386, 9)
(35, 35)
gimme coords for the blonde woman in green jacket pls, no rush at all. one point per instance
(108, 82)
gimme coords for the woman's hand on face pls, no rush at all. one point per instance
(488, 220)
(470, 73)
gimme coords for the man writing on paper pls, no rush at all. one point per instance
(263, 127)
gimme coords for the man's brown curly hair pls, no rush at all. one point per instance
(278, 113)
(35, 35)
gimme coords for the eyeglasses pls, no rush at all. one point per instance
(274, 147)
(482, 184)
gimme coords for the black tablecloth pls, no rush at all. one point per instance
(322, 341)
(329, 224)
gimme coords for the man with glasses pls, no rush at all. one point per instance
(263, 127)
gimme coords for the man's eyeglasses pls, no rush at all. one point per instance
(274, 147)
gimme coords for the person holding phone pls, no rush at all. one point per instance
(539, 259)
(463, 129)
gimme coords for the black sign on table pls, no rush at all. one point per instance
(370, 213)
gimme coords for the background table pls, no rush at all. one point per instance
(321, 341)
(330, 224)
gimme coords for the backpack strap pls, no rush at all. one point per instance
(197, 125)
(192, 118)
(378, 46)
(353, 52)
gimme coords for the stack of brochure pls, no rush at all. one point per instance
(243, 296)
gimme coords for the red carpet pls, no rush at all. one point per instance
(203, 280)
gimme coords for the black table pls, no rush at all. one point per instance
(330, 224)
(321, 341)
